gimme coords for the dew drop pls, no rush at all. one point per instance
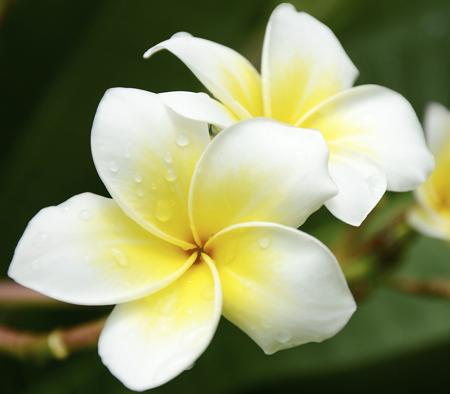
(170, 176)
(163, 211)
(168, 157)
(113, 167)
(189, 367)
(138, 178)
(264, 242)
(85, 215)
(153, 186)
(120, 257)
(283, 336)
(140, 193)
(182, 140)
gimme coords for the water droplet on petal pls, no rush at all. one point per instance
(113, 167)
(153, 186)
(168, 157)
(189, 367)
(264, 242)
(140, 193)
(283, 336)
(193, 338)
(170, 176)
(163, 211)
(85, 215)
(138, 178)
(120, 257)
(182, 140)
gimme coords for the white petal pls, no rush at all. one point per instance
(380, 124)
(280, 286)
(361, 185)
(437, 127)
(148, 342)
(198, 106)
(145, 154)
(224, 72)
(257, 170)
(87, 251)
(429, 223)
(303, 63)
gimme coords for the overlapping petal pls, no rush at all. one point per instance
(280, 286)
(303, 63)
(145, 154)
(87, 251)
(380, 124)
(147, 342)
(199, 106)
(224, 72)
(257, 170)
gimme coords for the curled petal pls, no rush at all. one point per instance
(224, 72)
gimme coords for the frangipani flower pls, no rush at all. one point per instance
(432, 215)
(375, 139)
(194, 229)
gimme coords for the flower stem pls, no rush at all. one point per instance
(56, 344)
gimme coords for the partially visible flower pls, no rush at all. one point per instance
(195, 229)
(374, 137)
(431, 216)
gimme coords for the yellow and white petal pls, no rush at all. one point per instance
(199, 106)
(280, 286)
(87, 251)
(380, 124)
(148, 342)
(224, 72)
(259, 170)
(145, 154)
(303, 63)
(429, 223)
(361, 185)
(437, 127)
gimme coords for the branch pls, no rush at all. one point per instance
(432, 287)
(15, 295)
(55, 344)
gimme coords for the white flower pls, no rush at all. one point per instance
(374, 137)
(431, 216)
(194, 229)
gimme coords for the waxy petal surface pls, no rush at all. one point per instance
(147, 342)
(280, 286)
(87, 251)
(380, 124)
(303, 63)
(259, 170)
(145, 154)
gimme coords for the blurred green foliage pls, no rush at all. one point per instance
(56, 60)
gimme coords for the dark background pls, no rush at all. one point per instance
(56, 60)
